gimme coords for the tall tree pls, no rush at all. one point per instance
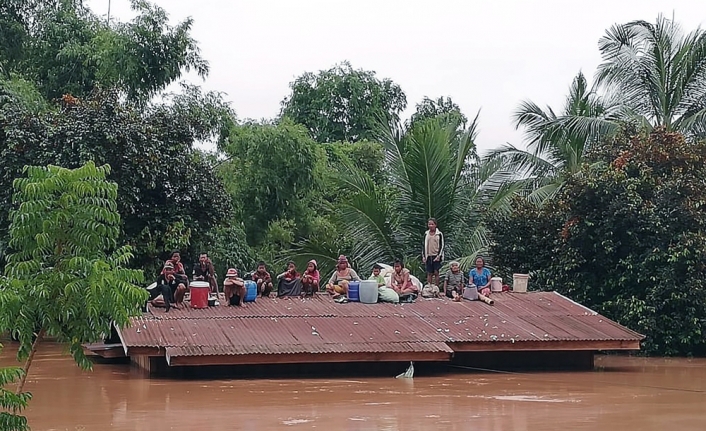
(270, 173)
(658, 72)
(443, 106)
(66, 275)
(66, 49)
(342, 103)
(167, 189)
(557, 143)
(624, 236)
(432, 173)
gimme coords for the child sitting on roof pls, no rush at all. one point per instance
(263, 279)
(310, 279)
(385, 294)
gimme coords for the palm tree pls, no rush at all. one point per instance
(557, 144)
(433, 172)
(658, 72)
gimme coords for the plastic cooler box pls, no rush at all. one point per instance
(250, 291)
(354, 291)
(199, 294)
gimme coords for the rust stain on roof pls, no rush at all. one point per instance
(318, 325)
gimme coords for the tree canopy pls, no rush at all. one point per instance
(342, 103)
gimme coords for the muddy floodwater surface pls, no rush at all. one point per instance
(645, 394)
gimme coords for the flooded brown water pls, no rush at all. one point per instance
(623, 393)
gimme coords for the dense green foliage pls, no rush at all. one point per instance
(64, 48)
(624, 236)
(343, 104)
(11, 404)
(163, 181)
(67, 276)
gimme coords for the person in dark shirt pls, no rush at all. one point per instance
(263, 279)
(204, 271)
(171, 288)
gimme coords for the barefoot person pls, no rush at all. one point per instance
(401, 281)
(344, 274)
(480, 276)
(169, 286)
(310, 279)
(454, 281)
(263, 279)
(234, 288)
(433, 252)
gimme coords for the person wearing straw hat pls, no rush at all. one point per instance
(234, 288)
(344, 274)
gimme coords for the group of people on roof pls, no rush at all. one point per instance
(395, 283)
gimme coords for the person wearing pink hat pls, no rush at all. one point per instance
(344, 274)
(310, 279)
(234, 288)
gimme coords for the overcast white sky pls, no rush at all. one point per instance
(486, 55)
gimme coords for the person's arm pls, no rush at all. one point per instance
(239, 282)
(333, 278)
(405, 279)
(282, 274)
(316, 277)
(424, 249)
(446, 282)
(354, 275)
(441, 246)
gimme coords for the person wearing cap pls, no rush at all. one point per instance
(170, 287)
(310, 278)
(234, 288)
(344, 274)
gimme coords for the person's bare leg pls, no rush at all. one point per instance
(436, 277)
(242, 291)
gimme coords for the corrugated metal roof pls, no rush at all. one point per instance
(318, 325)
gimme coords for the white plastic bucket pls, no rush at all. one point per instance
(519, 282)
(496, 284)
(368, 291)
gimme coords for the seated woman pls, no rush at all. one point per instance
(454, 282)
(289, 283)
(234, 288)
(310, 279)
(401, 282)
(338, 283)
(480, 277)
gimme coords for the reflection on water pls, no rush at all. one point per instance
(624, 393)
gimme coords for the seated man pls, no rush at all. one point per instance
(204, 271)
(169, 286)
(234, 288)
(263, 279)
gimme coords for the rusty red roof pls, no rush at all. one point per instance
(318, 325)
